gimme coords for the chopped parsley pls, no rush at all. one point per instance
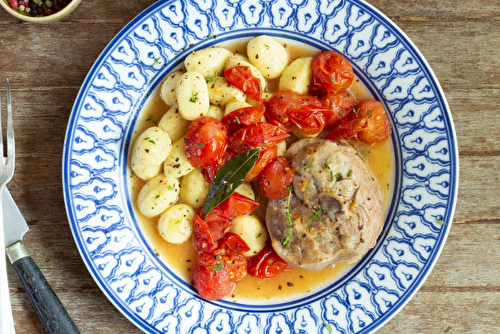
(349, 173)
(440, 222)
(156, 61)
(331, 172)
(307, 166)
(149, 118)
(267, 46)
(328, 327)
(289, 231)
(170, 188)
(211, 79)
(177, 221)
(216, 269)
(333, 79)
(238, 120)
(338, 176)
(259, 235)
(157, 196)
(194, 97)
(200, 145)
(150, 140)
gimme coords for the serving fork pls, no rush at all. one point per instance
(6, 173)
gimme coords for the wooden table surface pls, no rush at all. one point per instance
(461, 41)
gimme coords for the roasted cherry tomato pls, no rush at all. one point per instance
(210, 277)
(234, 243)
(275, 179)
(331, 73)
(206, 141)
(340, 107)
(266, 156)
(267, 263)
(242, 78)
(237, 119)
(210, 171)
(378, 128)
(368, 123)
(234, 205)
(256, 135)
(309, 119)
(283, 102)
(203, 240)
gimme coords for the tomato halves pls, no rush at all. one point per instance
(283, 102)
(237, 119)
(331, 73)
(275, 179)
(241, 77)
(267, 263)
(206, 141)
(256, 135)
(340, 107)
(368, 122)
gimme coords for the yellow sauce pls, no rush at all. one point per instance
(181, 258)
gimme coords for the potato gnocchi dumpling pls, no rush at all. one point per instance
(194, 189)
(152, 147)
(173, 123)
(297, 76)
(268, 55)
(246, 189)
(192, 95)
(167, 91)
(144, 172)
(215, 112)
(208, 62)
(252, 230)
(157, 195)
(177, 164)
(176, 223)
(221, 92)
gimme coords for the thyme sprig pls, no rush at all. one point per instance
(289, 231)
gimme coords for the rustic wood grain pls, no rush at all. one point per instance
(460, 40)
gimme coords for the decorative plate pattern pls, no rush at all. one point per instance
(102, 122)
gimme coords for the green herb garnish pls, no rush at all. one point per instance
(316, 214)
(289, 231)
(149, 118)
(307, 166)
(211, 79)
(333, 79)
(328, 327)
(440, 222)
(267, 46)
(156, 61)
(194, 97)
(355, 111)
(216, 269)
(228, 178)
(331, 172)
(170, 188)
(349, 173)
(157, 196)
(200, 145)
(259, 235)
(177, 221)
(338, 176)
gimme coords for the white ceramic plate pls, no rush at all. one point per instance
(95, 158)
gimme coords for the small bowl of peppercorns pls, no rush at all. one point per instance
(42, 11)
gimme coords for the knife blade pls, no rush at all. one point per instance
(54, 316)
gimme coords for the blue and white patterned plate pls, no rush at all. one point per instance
(101, 125)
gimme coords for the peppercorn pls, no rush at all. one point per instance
(38, 7)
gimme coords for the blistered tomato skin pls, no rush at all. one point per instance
(242, 78)
(284, 102)
(258, 135)
(210, 277)
(206, 141)
(276, 178)
(332, 73)
(340, 107)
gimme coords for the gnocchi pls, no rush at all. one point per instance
(151, 147)
(176, 223)
(268, 56)
(173, 123)
(177, 164)
(194, 189)
(208, 62)
(252, 230)
(167, 92)
(221, 92)
(157, 195)
(192, 95)
(297, 76)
